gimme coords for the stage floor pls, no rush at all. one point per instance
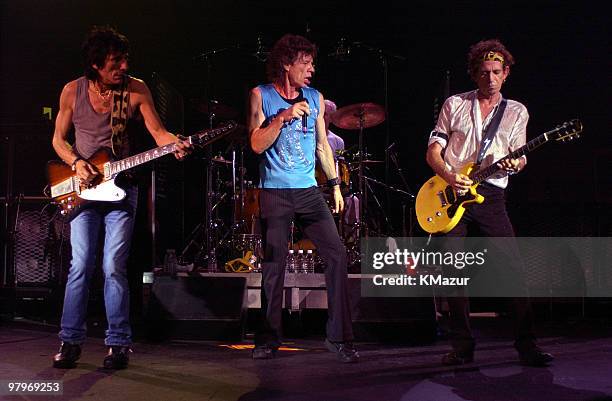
(221, 371)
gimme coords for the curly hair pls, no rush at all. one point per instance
(478, 51)
(100, 42)
(285, 51)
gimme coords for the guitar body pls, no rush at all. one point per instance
(439, 207)
(68, 192)
(71, 195)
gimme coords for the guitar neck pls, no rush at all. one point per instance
(488, 171)
(141, 158)
(200, 138)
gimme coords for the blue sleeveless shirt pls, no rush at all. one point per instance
(290, 161)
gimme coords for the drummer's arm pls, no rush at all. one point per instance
(324, 152)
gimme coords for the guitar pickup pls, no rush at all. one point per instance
(442, 198)
(76, 183)
(62, 188)
(107, 170)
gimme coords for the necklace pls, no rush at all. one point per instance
(105, 96)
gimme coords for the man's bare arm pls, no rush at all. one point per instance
(63, 122)
(261, 138)
(160, 134)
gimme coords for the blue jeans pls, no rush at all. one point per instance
(85, 228)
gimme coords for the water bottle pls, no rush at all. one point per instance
(309, 262)
(290, 266)
(170, 262)
(299, 263)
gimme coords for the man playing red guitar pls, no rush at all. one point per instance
(461, 136)
(99, 105)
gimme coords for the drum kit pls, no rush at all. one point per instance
(230, 238)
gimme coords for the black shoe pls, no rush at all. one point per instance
(117, 358)
(67, 356)
(454, 358)
(345, 350)
(535, 357)
(264, 352)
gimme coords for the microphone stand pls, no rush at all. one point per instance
(393, 157)
(384, 56)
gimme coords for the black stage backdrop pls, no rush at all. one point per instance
(561, 48)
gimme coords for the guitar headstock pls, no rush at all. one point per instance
(567, 131)
(205, 137)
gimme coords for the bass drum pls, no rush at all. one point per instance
(247, 210)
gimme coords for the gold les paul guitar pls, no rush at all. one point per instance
(439, 207)
(71, 194)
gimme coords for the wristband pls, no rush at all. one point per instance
(333, 182)
(73, 165)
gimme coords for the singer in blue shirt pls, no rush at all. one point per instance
(287, 131)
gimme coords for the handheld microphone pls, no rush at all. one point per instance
(305, 120)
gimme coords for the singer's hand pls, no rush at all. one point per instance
(295, 111)
(338, 200)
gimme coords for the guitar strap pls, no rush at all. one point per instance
(119, 117)
(487, 138)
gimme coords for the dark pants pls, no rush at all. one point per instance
(491, 218)
(278, 209)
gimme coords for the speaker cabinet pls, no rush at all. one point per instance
(41, 245)
(392, 319)
(197, 308)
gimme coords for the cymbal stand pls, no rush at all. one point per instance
(211, 257)
(240, 198)
(380, 207)
(362, 227)
(393, 156)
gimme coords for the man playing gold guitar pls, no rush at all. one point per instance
(481, 126)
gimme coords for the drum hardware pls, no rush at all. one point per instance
(210, 229)
(249, 252)
(393, 156)
(404, 194)
(345, 48)
(360, 116)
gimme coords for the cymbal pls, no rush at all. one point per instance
(220, 110)
(350, 117)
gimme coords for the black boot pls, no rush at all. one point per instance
(117, 357)
(345, 351)
(535, 357)
(454, 358)
(67, 356)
